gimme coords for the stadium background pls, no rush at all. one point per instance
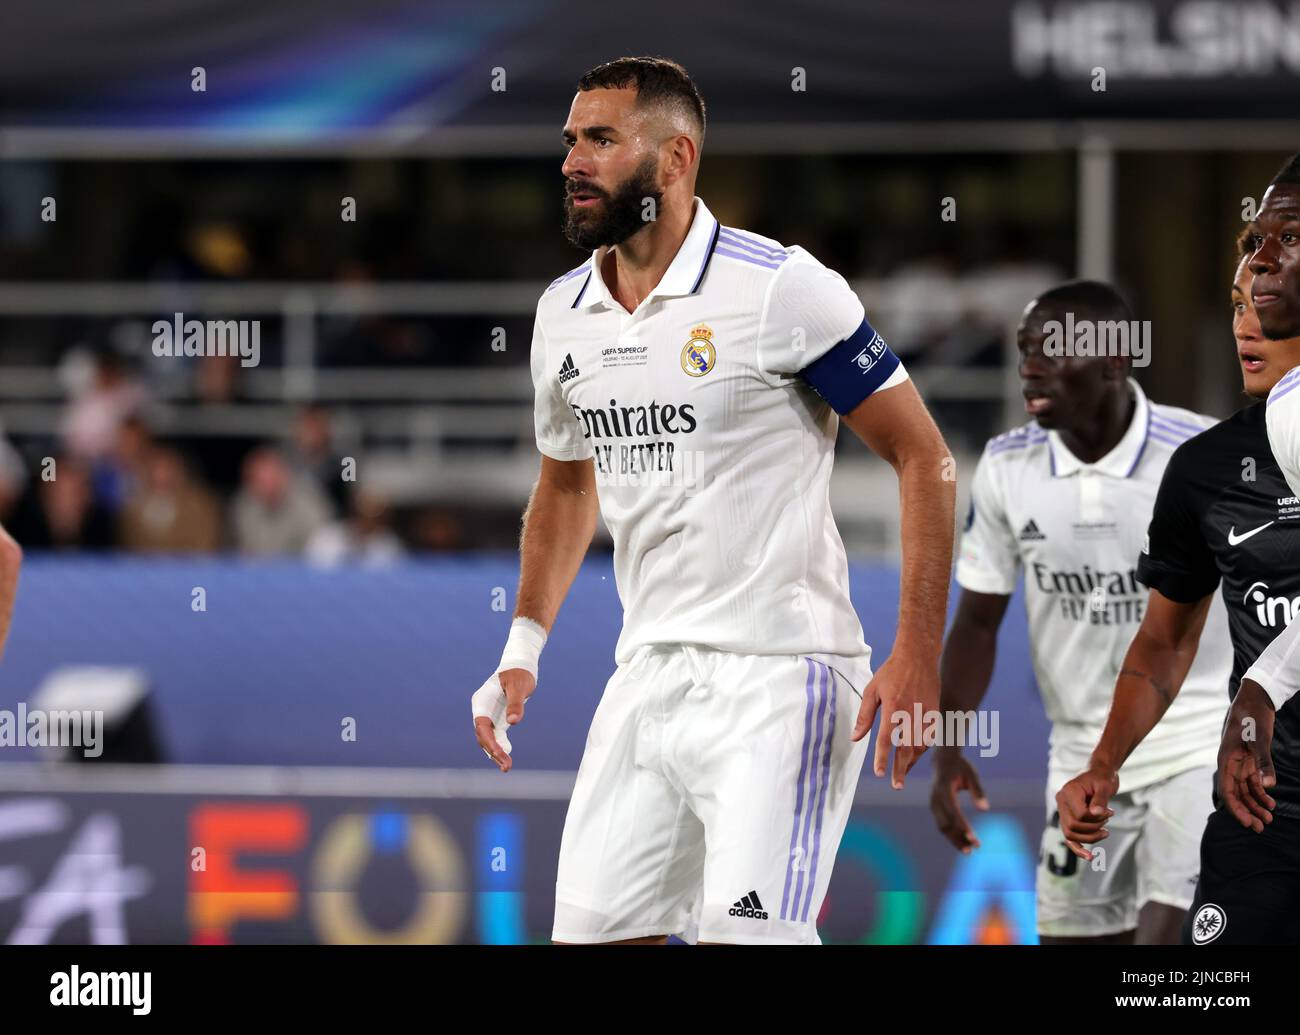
(294, 650)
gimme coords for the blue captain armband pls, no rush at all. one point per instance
(849, 372)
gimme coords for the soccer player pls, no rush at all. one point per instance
(11, 558)
(1067, 497)
(1220, 517)
(1249, 891)
(690, 378)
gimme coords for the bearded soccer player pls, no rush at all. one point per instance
(1067, 498)
(690, 378)
(1224, 515)
(11, 557)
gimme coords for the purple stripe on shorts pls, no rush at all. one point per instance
(821, 802)
(812, 793)
(798, 801)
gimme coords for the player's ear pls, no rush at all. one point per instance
(679, 157)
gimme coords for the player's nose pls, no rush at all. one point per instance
(576, 164)
(1264, 260)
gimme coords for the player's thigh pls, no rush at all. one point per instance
(1081, 898)
(1169, 851)
(1249, 888)
(631, 853)
(774, 790)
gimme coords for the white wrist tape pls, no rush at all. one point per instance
(523, 648)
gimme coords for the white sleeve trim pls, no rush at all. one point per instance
(1277, 669)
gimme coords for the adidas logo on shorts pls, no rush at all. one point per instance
(750, 907)
(567, 369)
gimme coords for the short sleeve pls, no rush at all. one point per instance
(1282, 415)
(559, 435)
(989, 559)
(1175, 558)
(815, 327)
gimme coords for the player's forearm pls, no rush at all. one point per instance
(558, 527)
(10, 562)
(927, 504)
(1152, 674)
(966, 668)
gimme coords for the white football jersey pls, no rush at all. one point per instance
(1277, 669)
(1076, 529)
(712, 451)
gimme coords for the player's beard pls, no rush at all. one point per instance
(621, 214)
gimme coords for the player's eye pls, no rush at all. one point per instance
(1288, 238)
(601, 141)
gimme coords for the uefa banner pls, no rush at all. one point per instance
(189, 867)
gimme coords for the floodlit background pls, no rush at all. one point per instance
(285, 654)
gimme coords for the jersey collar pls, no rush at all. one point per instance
(1121, 461)
(683, 276)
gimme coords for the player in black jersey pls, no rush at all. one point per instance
(1223, 515)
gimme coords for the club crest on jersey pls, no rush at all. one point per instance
(698, 355)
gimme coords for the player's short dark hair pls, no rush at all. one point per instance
(1093, 296)
(1290, 171)
(656, 81)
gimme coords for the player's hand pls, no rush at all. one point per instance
(499, 704)
(1246, 757)
(953, 773)
(900, 684)
(1084, 806)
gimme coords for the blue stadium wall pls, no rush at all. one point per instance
(283, 654)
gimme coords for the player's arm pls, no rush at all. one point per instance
(987, 571)
(558, 528)
(1245, 769)
(964, 675)
(11, 558)
(559, 523)
(896, 426)
(1155, 665)
(814, 327)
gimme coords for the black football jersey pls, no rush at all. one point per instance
(1224, 515)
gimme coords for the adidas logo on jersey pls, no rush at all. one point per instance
(567, 370)
(749, 906)
(1030, 531)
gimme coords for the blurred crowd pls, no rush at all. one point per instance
(110, 483)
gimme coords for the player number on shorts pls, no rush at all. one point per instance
(1071, 861)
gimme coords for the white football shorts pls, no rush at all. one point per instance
(711, 798)
(1153, 854)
